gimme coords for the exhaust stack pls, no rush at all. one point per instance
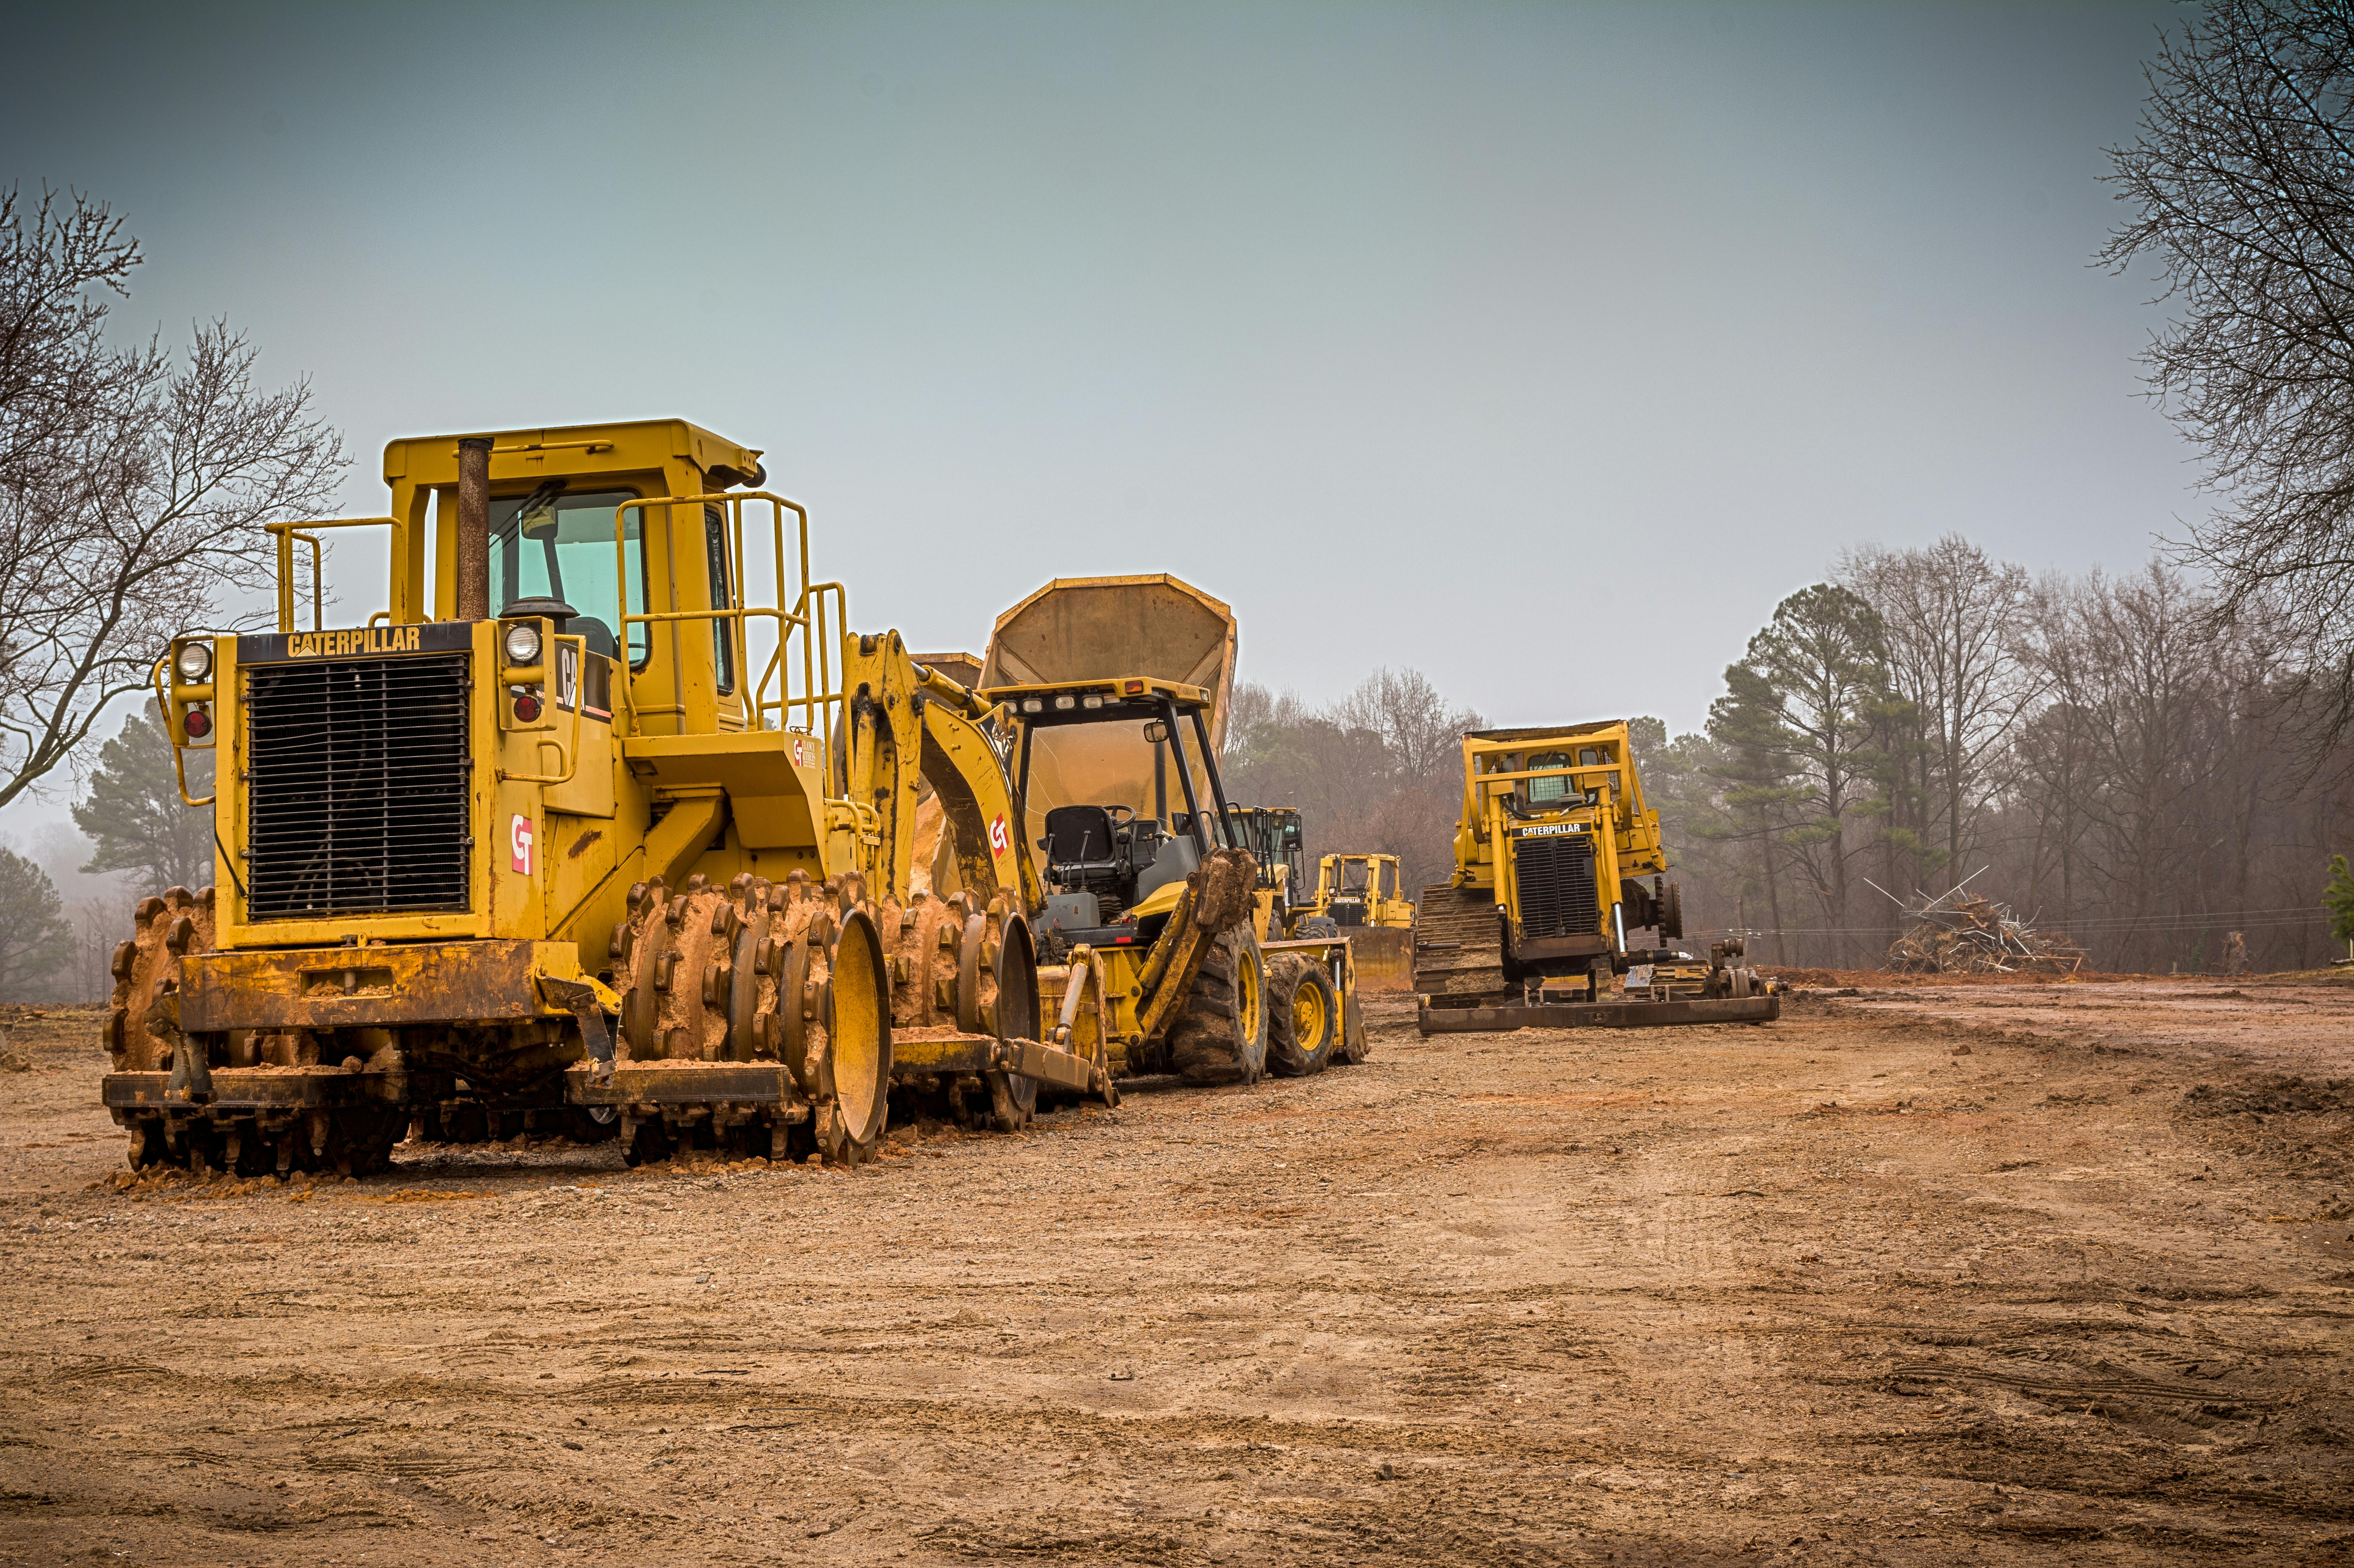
(474, 528)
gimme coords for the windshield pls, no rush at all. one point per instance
(562, 546)
(1353, 877)
(1542, 790)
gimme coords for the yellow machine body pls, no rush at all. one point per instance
(1552, 854)
(449, 849)
(1361, 895)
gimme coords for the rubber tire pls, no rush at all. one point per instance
(1320, 927)
(1287, 1055)
(1215, 1041)
(1672, 914)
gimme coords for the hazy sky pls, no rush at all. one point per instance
(1543, 348)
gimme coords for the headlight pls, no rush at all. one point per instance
(194, 663)
(522, 643)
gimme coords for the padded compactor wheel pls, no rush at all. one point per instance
(1303, 1016)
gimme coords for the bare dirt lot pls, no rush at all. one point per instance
(2022, 1274)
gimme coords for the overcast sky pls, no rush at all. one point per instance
(1540, 348)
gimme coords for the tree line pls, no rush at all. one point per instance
(2116, 757)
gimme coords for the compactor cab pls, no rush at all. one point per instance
(1274, 837)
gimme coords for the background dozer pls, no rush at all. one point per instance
(1551, 857)
(1360, 895)
(590, 829)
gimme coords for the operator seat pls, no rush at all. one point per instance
(1082, 853)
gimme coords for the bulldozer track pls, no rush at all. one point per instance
(1459, 946)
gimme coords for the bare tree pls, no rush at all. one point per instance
(132, 481)
(1955, 624)
(2241, 186)
(1378, 772)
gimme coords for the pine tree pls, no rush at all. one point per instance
(2338, 899)
(135, 816)
(34, 939)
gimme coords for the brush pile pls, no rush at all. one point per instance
(1957, 933)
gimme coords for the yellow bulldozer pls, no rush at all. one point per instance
(1552, 854)
(606, 824)
(1360, 896)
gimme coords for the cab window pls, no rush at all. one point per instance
(723, 632)
(1542, 790)
(550, 545)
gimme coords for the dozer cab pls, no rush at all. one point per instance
(601, 825)
(1552, 852)
(1128, 892)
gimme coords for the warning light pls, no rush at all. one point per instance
(526, 707)
(198, 725)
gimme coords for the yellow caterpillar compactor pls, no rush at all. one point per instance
(542, 844)
(1550, 856)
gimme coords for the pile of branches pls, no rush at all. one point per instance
(1957, 933)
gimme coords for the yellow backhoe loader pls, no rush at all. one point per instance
(548, 842)
(1550, 856)
(1115, 901)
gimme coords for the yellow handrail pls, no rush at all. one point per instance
(810, 613)
(285, 533)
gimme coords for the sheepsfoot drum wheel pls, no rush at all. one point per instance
(1220, 1035)
(1303, 1016)
(1000, 973)
(845, 1047)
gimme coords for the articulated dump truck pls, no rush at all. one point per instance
(542, 844)
(1552, 854)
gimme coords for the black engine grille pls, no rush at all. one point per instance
(356, 786)
(1556, 878)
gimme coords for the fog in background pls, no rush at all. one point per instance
(1540, 348)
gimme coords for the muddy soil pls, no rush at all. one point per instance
(2044, 1274)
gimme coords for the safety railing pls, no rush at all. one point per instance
(284, 534)
(820, 613)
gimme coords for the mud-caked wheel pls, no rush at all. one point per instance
(1220, 1036)
(1303, 1016)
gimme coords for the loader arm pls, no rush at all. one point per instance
(907, 721)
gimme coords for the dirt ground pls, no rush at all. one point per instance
(2056, 1273)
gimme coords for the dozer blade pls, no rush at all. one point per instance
(1384, 955)
(1596, 1014)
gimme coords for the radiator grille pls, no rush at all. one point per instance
(356, 786)
(1556, 879)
